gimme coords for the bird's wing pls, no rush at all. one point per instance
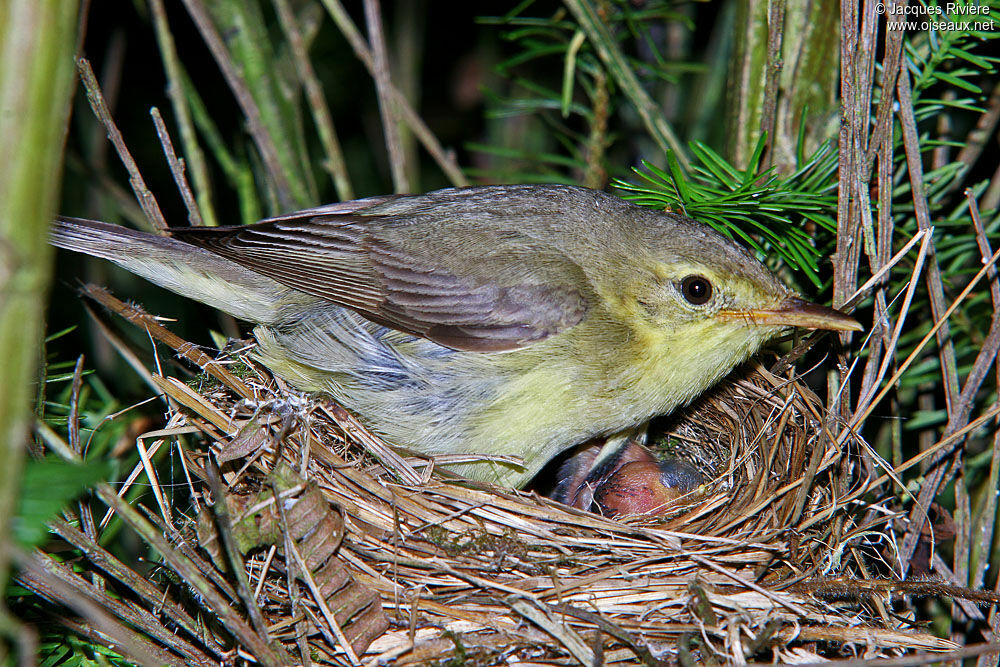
(420, 281)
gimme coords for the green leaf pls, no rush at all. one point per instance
(47, 485)
(959, 83)
(569, 69)
(922, 419)
(753, 164)
(763, 210)
(722, 170)
(982, 63)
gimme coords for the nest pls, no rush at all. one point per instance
(371, 557)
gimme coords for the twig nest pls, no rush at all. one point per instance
(503, 571)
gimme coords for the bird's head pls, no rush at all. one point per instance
(698, 304)
(686, 296)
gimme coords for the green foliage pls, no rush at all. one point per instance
(101, 425)
(47, 486)
(565, 113)
(97, 405)
(69, 651)
(768, 212)
(948, 62)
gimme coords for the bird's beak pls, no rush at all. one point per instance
(797, 312)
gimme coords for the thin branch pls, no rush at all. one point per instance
(176, 169)
(864, 400)
(890, 73)
(443, 158)
(262, 138)
(386, 102)
(846, 213)
(949, 368)
(865, 81)
(107, 562)
(220, 510)
(849, 227)
(109, 615)
(208, 596)
(589, 18)
(769, 116)
(861, 417)
(146, 199)
(595, 175)
(911, 143)
(194, 156)
(334, 163)
(983, 528)
(184, 349)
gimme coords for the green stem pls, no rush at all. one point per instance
(36, 75)
(624, 75)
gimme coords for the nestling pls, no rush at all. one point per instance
(502, 320)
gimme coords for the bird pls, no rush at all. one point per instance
(489, 321)
(617, 478)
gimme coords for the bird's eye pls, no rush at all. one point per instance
(696, 289)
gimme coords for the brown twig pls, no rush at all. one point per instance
(769, 115)
(194, 156)
(849, 203)
(444, 160)
(111, 82)
(986, 524)
(146, 199)
(160, 333)
(946, 351)
(334, 163)
(891, 61)
(220, 512)
(386, 102)
(911, 143)
(176, 169)
(917, 659)
(262, 138)
(595, 175)
(209, 597)
(110, 616)
(86, 516)
(134, 581)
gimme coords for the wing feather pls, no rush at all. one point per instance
(372, 265)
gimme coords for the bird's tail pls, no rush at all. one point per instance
(182, 268)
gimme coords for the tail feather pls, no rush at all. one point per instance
(182, 268)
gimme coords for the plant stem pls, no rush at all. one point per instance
(36, 76)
